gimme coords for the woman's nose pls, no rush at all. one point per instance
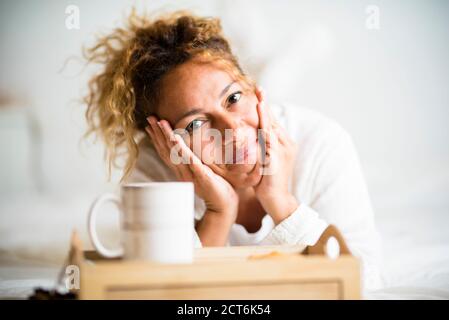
(228, 121)
(230, 127)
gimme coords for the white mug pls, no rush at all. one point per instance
(157, 222)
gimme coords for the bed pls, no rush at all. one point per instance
(35, 236)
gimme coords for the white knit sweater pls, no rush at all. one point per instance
(327, 182)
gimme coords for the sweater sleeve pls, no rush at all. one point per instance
(303, 226)
(329, 185)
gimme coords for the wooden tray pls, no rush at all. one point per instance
(239, 272)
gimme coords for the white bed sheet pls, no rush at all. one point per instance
(35, 235)
(416, 254)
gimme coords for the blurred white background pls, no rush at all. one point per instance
(388, 87)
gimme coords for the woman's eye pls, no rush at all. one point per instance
(234, 98)
(195, 124)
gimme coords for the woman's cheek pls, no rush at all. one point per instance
(209, 152)
(250, 115)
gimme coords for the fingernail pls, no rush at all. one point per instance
(178, 137)
(159, 124)
(150, 120)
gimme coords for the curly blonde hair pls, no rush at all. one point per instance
(134, 59)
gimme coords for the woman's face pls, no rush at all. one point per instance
(219, 116)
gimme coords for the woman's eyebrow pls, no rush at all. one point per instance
(226, 89)
(188, 113)
(198, 110)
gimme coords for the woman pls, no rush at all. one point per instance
(276, 174)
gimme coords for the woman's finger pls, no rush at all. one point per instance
(157, 131)
(168, 132)
(267, 146)
(280, 132)
(263, 119)
(201, 175)
(267, 119)
(187, 154)
(198, 169)
(150, 132)
(265, 127)
(155, 135)
(264, 111)
(171, 142)
(181, 171)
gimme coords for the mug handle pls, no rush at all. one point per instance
(92, 222)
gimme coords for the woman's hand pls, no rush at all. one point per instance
(218, 195)
(278, 155)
